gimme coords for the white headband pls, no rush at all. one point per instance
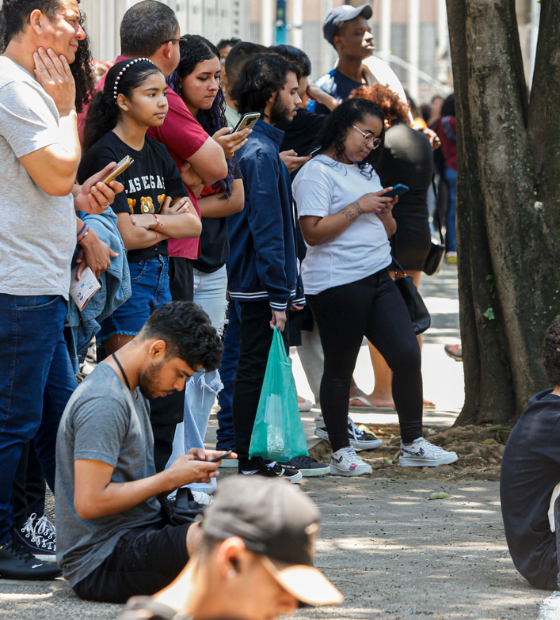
(121, 73)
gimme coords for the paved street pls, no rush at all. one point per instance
(394, 553)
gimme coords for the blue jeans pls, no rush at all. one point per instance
(149, 280)
(201, 390)
(451, 237)
(35, 384)
(228, 372)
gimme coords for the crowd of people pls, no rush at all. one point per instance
(208, 241)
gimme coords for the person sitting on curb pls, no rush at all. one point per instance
(530, 479)
(255, 560)
(113, 542)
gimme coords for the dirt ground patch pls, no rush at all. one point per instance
(480, 450)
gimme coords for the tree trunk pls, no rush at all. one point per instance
(508, 267)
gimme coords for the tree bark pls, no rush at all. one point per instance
(508, 267)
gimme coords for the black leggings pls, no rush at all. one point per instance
(372, 307)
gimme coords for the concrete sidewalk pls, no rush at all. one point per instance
(393, 553)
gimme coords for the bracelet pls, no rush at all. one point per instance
(85, 235)
(81, 231)
(157, 220)
(157, 240)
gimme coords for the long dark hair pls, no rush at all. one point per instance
(103, 113)
(195, 49)
(340, 121)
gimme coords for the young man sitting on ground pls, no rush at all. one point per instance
(530, 479)
(113, 542)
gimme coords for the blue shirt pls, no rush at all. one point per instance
(336, 85)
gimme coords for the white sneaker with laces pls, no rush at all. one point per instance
(345, 462)
(422, 453)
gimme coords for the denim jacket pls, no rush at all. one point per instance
(115, 287)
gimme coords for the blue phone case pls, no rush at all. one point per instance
(398, 190)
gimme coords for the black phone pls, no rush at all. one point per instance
(398, 190)
(314, 151)
(219, 458)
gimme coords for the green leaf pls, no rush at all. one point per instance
(489, 277)
(387, 461)
(439, 496)
(489, 314)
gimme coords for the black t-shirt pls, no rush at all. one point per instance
(407, 159)
(214, 241)
(148, 181)
(302, 133)
(530, 471)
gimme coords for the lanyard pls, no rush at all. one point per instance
(122, 370)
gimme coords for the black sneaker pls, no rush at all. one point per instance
(42, 546)
(17, 563)
(307, 466)
(275, 470)
(360, 438)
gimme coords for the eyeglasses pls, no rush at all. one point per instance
(369, 138)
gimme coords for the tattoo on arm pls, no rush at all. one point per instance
(352, 212)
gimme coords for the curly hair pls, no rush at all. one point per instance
(187, 332)
(551, 352)
(385, 99)
(340, 121)
(195, 49)
(263, 75)
(299, 57)
(103, 113)
(14, 17)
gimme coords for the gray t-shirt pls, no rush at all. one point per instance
(38, 231)
(102, 422)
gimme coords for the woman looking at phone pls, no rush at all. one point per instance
(346, 223)
(406, 158)
(197, 81)
(154, 206)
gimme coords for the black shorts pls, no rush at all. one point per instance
(144, 561)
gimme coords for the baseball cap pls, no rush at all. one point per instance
(279, 522)
(341, 14)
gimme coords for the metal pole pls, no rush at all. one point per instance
(413, 46)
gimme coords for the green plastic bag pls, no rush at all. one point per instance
(278, 433)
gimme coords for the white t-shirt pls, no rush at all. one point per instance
(323, 187)
(38, 231)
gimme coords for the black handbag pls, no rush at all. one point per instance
(433, 262)
(415, 305)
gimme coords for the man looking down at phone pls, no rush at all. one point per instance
(262, 268)
(40, 153)
(113, 542)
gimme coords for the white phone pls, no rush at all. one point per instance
(247, 121)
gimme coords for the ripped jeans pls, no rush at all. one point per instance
(203, 387)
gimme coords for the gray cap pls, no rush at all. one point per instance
(278, 521)
(341, 14)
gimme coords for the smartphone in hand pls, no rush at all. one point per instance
(121, 167)
(247, 121)
(398, 190)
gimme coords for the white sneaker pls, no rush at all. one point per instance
(422, 453)
(360, 438)
(345, 462)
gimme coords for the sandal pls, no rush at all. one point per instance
(367, 406)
